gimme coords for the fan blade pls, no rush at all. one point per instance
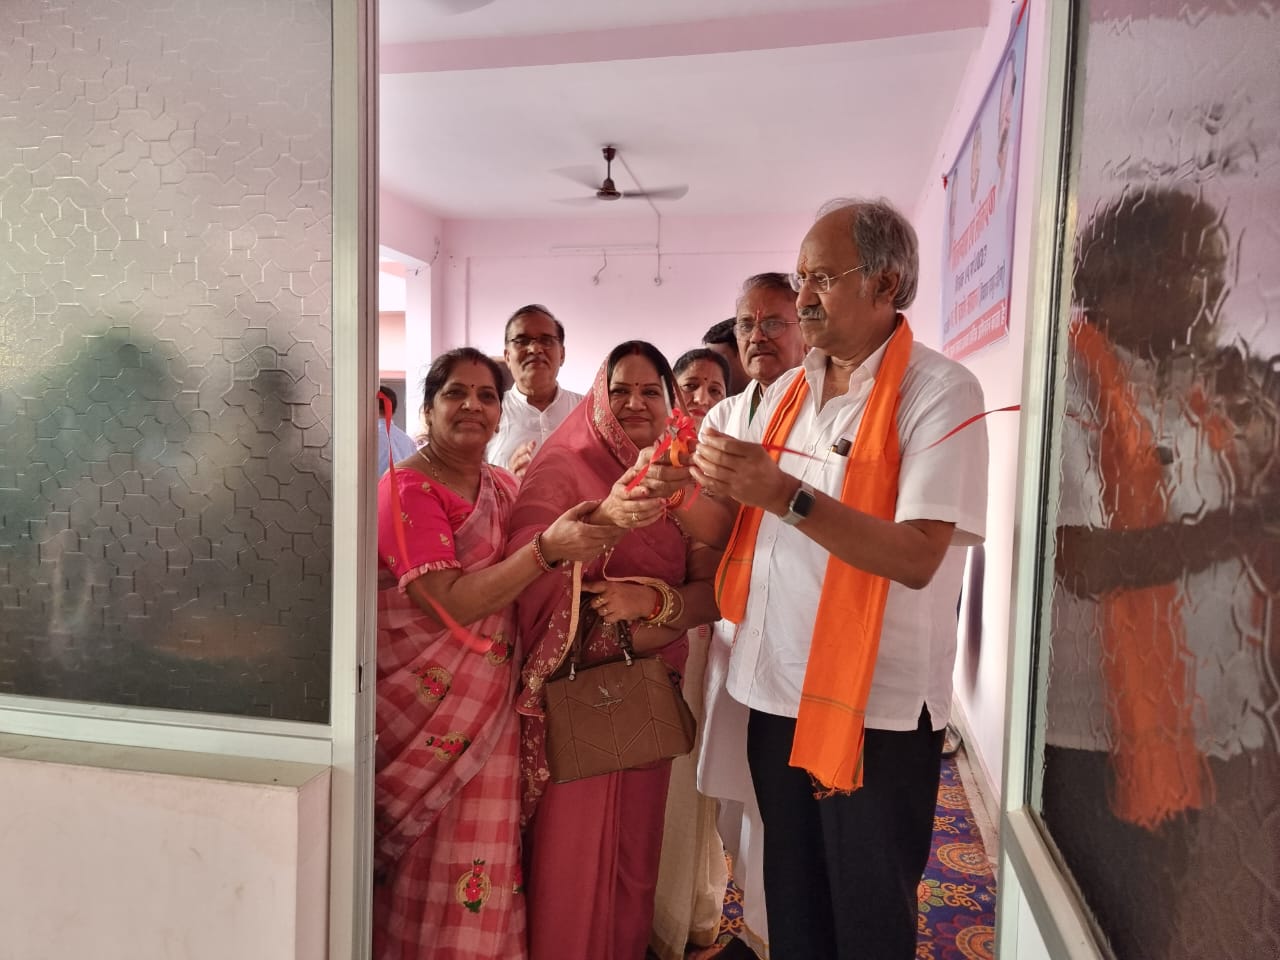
(588, 177)
(665, 193)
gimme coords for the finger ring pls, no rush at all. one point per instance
(633, 516)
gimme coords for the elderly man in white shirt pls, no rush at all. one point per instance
(843, 863)
(536, 404)
(769, 344)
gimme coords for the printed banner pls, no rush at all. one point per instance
(982, 188)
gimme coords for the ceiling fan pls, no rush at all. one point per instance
(608, 190)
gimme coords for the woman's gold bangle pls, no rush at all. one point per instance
(671, 609)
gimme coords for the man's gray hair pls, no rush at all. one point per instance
(778, 282)
(885, 240)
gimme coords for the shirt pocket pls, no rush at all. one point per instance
(826, 470)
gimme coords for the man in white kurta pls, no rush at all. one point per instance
(769, 344)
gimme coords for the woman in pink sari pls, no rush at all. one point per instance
(593, 844)
(447, 880)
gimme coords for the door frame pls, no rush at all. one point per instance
(1033, 889)
(355, 351)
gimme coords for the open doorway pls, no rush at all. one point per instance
(494, 119)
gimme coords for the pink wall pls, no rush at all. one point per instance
(123, 853)
(391, 345)
(981, 662)
(488, 268)
(416, 236)
(406, 228)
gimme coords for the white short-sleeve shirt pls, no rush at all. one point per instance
(732, 415)
(946, 482)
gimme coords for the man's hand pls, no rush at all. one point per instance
(519, 461)
(743, 472)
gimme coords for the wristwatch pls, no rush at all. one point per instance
(801, 504)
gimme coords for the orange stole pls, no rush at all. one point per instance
(846, 635)
(1158, 770)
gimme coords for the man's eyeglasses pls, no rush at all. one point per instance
(771, 328)
(546, 341)
(819, 281)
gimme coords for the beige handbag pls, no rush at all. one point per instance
(617, 715)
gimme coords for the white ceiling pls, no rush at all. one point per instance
(404, 21)
(757, 108)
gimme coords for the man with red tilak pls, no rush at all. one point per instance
(769, 344)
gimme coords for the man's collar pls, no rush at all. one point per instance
(815, 363)
(523, 397)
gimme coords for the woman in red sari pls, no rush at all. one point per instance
(593, 844)
(447, 845)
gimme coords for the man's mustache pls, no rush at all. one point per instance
(811, 314)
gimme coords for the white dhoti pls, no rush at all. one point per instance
(723, 773)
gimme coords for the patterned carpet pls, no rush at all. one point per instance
(957, 895)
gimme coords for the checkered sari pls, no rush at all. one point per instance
(447, 881)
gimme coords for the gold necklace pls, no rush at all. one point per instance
(431, 467)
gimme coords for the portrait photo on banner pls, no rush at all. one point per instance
(982, 188)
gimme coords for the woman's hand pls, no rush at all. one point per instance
(628, 510)
(572, 537)
(664, 479)
(621, 601)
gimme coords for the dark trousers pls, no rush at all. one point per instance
(841, 873)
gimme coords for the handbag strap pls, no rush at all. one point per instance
(574, 609)
(574, 653)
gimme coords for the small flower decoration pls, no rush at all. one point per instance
(449, 747)
(434, 683)
(473, 887)
(499, 650)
